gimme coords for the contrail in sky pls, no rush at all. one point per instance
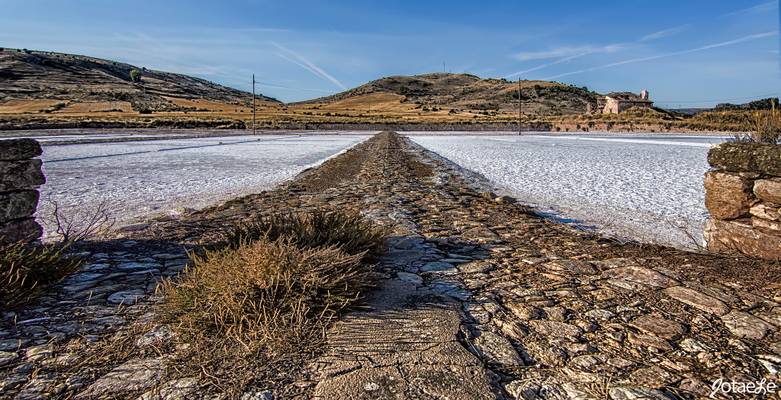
(302, 62)
(675, 53)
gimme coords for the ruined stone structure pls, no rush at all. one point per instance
(616, 103)
(20, 177)
(743, 195)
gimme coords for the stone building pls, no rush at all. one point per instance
(616, 103)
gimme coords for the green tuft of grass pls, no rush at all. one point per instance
(26, 270)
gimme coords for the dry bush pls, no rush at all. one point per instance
(767, 126)
(350, 231)
(77, 224)
(254, 310)
(25, 270)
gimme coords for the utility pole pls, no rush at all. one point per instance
(253, 104)
(519, 106)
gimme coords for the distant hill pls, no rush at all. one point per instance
(49, 77)
(464, 92)
(762, 104)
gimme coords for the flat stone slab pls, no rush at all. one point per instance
(400, 352)
(697, 300)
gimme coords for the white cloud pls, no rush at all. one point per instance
(304, 63)
(663, 33)
(568, 54)
(675, 53)
(769, 6)
(565, 52)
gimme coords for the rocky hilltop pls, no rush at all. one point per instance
(39, 75)
(472, 93)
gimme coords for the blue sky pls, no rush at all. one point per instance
(686, 52)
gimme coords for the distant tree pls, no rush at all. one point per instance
(2, 49)
(135, 75)
(26, 51)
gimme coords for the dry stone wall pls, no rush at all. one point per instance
(20, 177)
(743, 196)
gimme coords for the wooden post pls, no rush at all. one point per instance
(253, 104)
(519, 105)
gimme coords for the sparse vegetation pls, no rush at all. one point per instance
(767, 125)
(77, 224)
(135, 75)
(249, 310)
(26, 270)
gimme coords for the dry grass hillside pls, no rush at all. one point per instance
(57, 83)
(462, 93)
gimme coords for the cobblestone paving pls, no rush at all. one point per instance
(481, 299)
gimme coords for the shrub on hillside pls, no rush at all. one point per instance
(135, 75)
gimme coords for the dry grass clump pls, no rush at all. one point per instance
(350, 231)
(25, 270)
(254, 310)
(767, 125)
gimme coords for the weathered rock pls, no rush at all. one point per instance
(697, 300)
(19, 149)
(126, 297)
(727, 196)
(628, 393)
(767, 226)
(16, 205)
(555, 329)
(745, 325)
(765, 211)
(7, 357)
(496, 349)
(641, 275)
(746, 157)
(436, 266)
(659, 326)
(410, 277)
(15, 175)
(157, 336)
(132, 376)
(21, 230)
(768, 190)
(523, 311)
(741, 237)
(177, 389)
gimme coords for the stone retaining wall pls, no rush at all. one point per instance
(20, 177)
(743, 196)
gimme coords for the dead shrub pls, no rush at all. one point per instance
(25, 270)
(350, 231)
(255, 309)
(77, 224)
(767, 125)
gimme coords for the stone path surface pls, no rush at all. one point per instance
(480, 298)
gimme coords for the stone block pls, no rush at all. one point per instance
(770, 227)
(727, 195)
(17, 205)
(766, 211)
(20, 175)
(747, 157)
(741, 237)
(768, 190)
(20, 230)
(19, 149)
